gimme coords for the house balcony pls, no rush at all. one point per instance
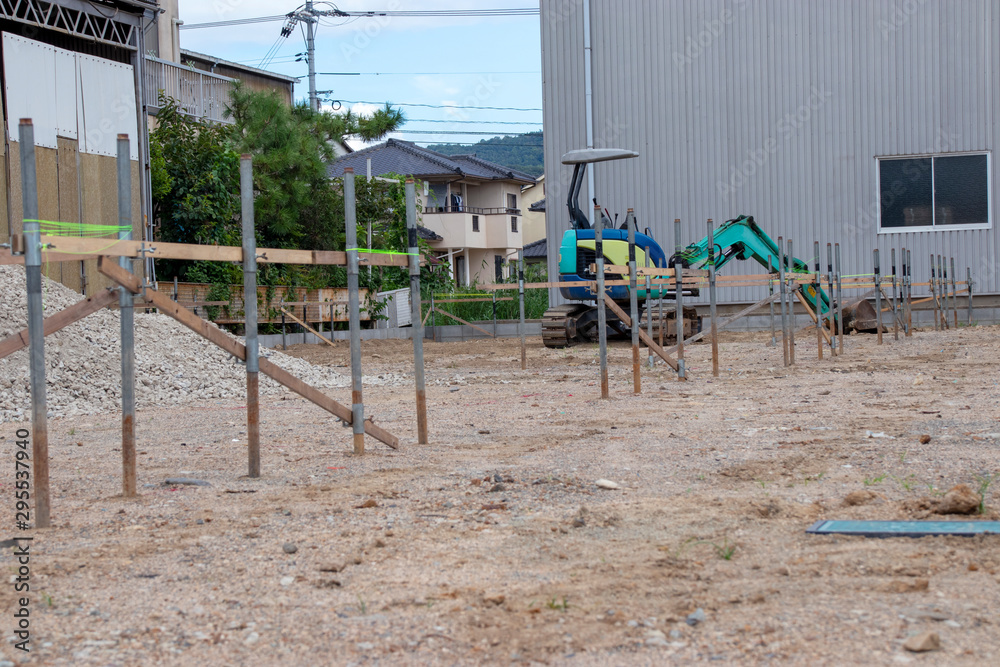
(473, 209)
(473, 227)
(198, 94)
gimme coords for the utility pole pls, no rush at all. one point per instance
(310, 16)
(311, 54)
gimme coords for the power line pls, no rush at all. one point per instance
(461, 132)
(459, 143)
(429, 13)
(439, 106)
(473, 122)
(417, 73)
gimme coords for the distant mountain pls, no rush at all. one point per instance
(517, 151)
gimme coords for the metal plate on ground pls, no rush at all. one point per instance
(905, 528)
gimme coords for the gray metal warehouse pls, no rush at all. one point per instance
(872, 124)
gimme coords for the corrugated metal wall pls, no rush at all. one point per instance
(777, 109)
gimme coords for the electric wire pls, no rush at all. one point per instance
(427, 13)
(440, 106)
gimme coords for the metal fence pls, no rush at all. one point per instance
(199, 94)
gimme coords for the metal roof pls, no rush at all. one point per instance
(194, 55)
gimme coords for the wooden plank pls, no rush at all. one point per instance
(216, 336)
(484, 300)
(729, 320)
(210, 253)
(60, 320)
(812, 314)
(459, 319)
(650, 343)
(309, 329)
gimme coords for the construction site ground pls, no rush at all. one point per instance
(493, 544)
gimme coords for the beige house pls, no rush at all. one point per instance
(472, 207)
(533, 206)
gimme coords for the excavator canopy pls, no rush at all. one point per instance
(589, 155)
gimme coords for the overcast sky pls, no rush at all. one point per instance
(439, 61)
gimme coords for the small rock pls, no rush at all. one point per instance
(496, 488)
(494, 598)
(497, 477)
(287, 581)
(860, 497)
(477, 482)
(825, 393)
(368, 503)
(453, 389)
(925, 641)
(606, 484)
(579, 522)
(251, 639)
(379, 544)
(924, 439)
(675, 634)
(289, 548)
(697, 617)
(960, 499)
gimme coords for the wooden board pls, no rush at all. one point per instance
(213, 334)
(60, 320)
(310, 329)
(650, 343)
(211, 253)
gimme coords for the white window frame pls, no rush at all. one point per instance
(933, 227)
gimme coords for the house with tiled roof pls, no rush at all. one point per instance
(473, 206)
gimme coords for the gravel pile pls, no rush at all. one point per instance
(173, 364)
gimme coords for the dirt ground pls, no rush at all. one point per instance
(494, 545)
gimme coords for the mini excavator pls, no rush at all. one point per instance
(740, 238)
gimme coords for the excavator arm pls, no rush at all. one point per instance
(742, 238)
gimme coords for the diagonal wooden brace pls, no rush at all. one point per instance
(310, 329)
(60, 320)
(214, 335)
(650, 343)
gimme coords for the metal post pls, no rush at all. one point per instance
(770, 292)
(649, 311)
(415, 311)
(434, 319)
(942, 291)
(633, 299)
(679, 303)
(284, 336)
(520, 307)
(354, 311)
(968, 286)
(830, 296)
(909, 292)
(127, 321)
(934, 302)
(310, 22)
(819, 303)
(791, 308)
(494, 295)
(711, 298)
(602, 318)
(840, 298)
(36, 335)
(895, 303)
(782, 299)
(878, 297)
(175, 288)
(250, 315)
(954, 293)
(662, 280)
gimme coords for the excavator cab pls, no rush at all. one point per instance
(577, 322)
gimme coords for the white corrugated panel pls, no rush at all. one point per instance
(30, 87)
(109, 107)
(66, 106)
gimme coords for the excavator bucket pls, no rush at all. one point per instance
(860, 316)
